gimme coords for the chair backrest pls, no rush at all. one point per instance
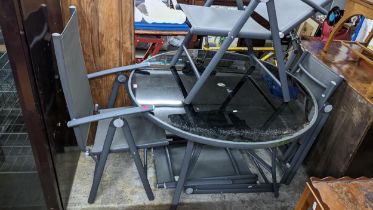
(321, 80)
(73, 75)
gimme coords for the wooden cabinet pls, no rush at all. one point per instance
(344, 146)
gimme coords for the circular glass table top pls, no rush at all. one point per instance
(238, 106)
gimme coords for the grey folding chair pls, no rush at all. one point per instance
(322, 82)
(281, 17)
(119, 129)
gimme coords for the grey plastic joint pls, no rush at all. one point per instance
(108, 115)
(328, 108)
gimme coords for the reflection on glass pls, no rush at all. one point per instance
(19, 180)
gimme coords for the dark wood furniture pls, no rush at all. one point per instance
(345, 145)
(342, 194)
(353, 8)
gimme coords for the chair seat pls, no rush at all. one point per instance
(220, 21)
(145, 134)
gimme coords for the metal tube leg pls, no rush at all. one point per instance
(114, 91)
(179, 51)
(308, 146)
(220, 53)
(274, 178)
(278, 49)
(146, 162)
(136, 157)
(100, 165)
(182, 175)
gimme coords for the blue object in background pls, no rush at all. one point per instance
(354, 36)
(161, 26)
(275, 89)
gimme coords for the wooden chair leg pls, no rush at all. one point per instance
(303, 203)
(337, 27)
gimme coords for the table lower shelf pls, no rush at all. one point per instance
(212, 170)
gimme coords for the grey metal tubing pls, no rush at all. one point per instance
(107, 115)
(290, 61)
(316, 7)
(295, 166)
(240, 5)
(197, 149)
(146, 162)
(136, 158)
(117, 70)
(248, 176)
(230, 144)
(259, 160)
(180, 49)
(233, 161)
(266, 70)
(207, 182)
(296, 155)
(208, 3)
(220, 53)
(295, 66)
(301, 67)
(169, 164)
(274, 177)
(120, 79)
(100, 165)
(289, 151)
(259, 169)
(278, 49)
(182, 175)
(239, 189)
(268, 187)
(194, 68)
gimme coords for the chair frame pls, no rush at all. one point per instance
(118, 121)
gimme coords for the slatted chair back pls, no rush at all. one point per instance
(73, 76)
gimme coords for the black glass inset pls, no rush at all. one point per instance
(238, 102)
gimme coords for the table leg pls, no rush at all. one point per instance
(182, 175)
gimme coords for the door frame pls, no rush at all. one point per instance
(20, 60)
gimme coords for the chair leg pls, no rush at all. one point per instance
(179, 51)
(120, 79)
(100, 165)
(136, 158)
(278, 50)
(182, 175)
(146, 162)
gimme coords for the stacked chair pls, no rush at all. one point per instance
(322, 82)
(119, 129)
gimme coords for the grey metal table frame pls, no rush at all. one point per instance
(194, 142)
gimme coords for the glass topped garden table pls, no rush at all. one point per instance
(238, 107)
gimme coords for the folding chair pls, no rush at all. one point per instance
(322, 82)
(120, 129)
(282, 17)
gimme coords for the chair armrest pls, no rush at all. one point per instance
(117, 70)
(107, 115)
